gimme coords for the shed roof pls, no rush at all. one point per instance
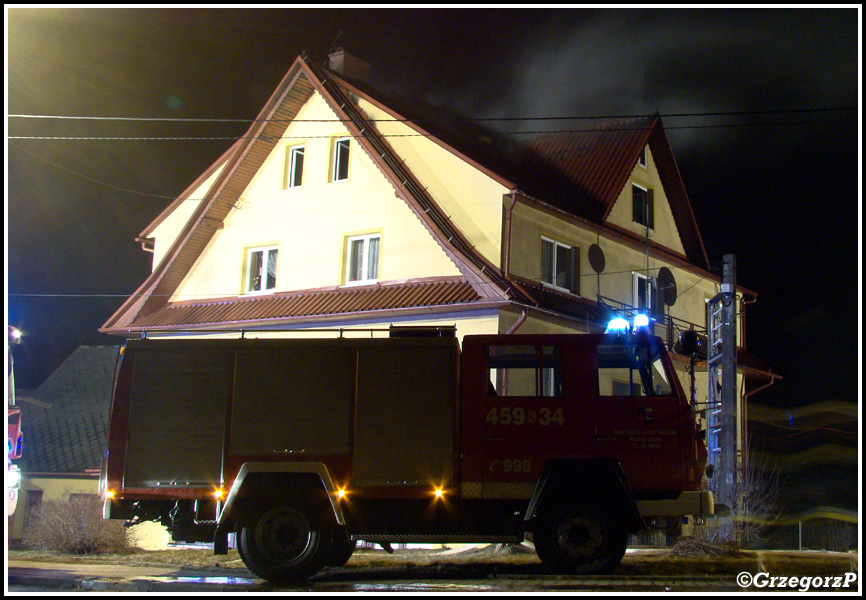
(66, 431)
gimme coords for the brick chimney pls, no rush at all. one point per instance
(344, 63)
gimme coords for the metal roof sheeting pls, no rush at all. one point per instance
(295, 305)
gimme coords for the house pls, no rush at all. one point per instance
(341, 208)
(65, 422)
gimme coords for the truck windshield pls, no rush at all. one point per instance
(629, 366)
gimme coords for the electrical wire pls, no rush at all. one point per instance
(405, 135)
(478, 119)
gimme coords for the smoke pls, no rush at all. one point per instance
(624, 62)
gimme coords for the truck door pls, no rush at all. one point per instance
(525, 416)
(639, 410)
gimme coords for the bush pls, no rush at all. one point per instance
(74, 525)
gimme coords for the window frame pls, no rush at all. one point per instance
(572, 270)
(248, 268)
(293, 172)
(365, 266)
(642, 157)
(650, 287)
(646, 217)
(337, 158)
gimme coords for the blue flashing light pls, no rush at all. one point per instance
(618, 325)
(641, 320)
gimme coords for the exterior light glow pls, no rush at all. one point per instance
(341, 493)
(641, 320)
(109, 494)
(618, 325)
(219, 493)
(438, 492)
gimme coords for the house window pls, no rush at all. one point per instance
(642, 206)
(560, 266)
(641, 159)
(363, 259)
(645, 293)
(261, 270)
(340, 166)
(294, 167)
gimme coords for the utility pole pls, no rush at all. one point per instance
(722, 371)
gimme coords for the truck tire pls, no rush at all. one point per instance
(580, 539)
(341, 549)
(278, 544)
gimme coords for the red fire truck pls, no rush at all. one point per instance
(304, 446)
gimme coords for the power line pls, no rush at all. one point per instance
(403, 135)
(480, 119)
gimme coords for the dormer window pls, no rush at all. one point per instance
(642, 206)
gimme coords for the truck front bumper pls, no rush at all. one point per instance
(696, 503)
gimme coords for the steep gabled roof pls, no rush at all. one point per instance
(592, 165)
(581, 171)
(297, 86)
(65, 432)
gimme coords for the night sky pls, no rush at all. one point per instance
(774, 180)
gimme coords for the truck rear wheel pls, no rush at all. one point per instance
(580, 539)
(280, 545)
(341, 549)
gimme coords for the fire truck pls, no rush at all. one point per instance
(303, 447)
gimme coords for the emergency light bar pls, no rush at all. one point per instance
(621, 325)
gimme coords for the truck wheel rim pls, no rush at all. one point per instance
(580, 536)
(283, 535)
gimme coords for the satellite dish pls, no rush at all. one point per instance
(596, 258)
(667, 286)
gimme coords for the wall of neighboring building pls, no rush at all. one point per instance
(38, 489)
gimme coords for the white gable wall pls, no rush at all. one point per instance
(166, 232)
(472, 199)
(310, 224)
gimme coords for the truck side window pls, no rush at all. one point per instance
(625, 369)
(524, 370)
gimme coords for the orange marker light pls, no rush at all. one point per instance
(439, 493)
(341, 493)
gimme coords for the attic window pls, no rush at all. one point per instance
(261, 270)
(294, 167)
(340, 166)
(641, 160)
(642, 206)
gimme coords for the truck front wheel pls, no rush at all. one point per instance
(280, 545)
(582, 540)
